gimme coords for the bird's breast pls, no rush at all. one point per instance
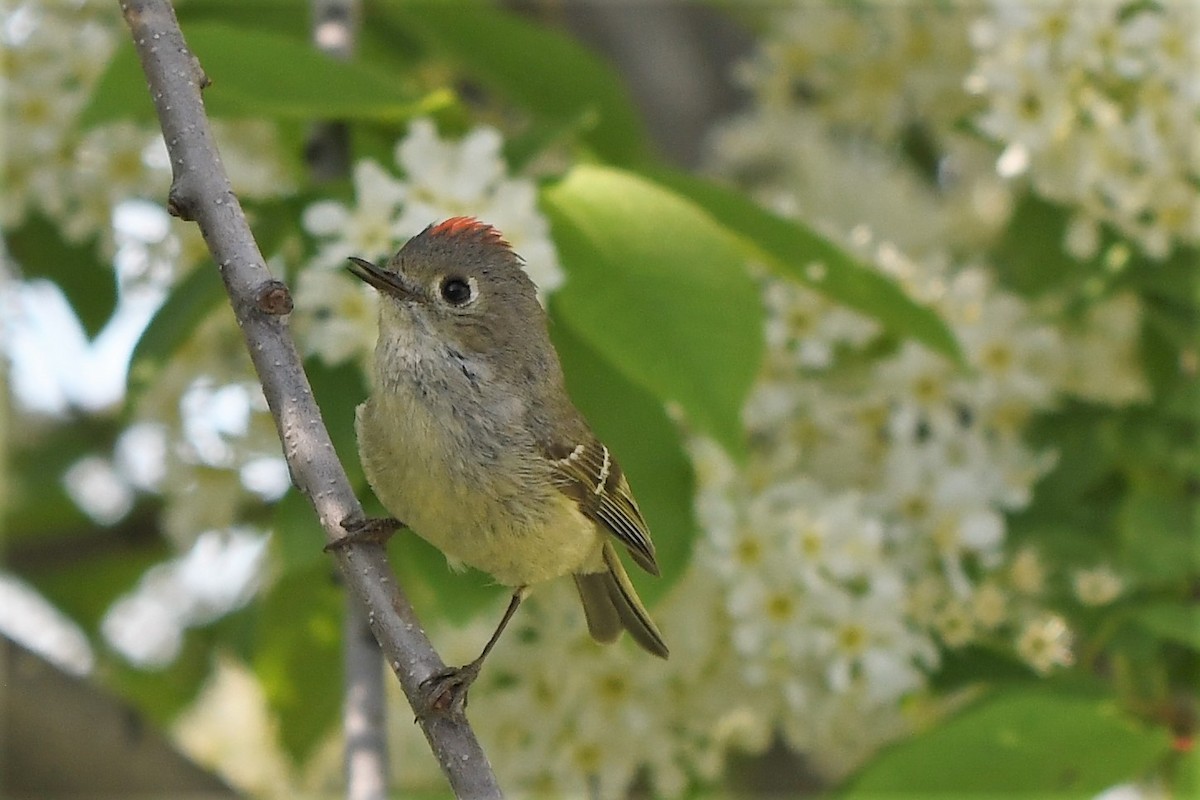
(447, 450)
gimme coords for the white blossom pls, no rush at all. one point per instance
(440, 178)
(1045, 643)
(1098, 586)
(1098, 97)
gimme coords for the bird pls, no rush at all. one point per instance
(469, 436)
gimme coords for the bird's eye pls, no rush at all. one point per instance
(457, 291)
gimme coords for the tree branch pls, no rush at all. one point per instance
(363, 708)
(200, 191)
(364, 704)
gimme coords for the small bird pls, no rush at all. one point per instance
(469, 436)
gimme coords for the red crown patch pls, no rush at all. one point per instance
(469, 226)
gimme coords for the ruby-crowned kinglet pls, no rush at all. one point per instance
(469, 437)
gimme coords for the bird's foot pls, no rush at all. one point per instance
(445, 692)
(365, 530)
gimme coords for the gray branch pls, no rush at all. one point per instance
(364, 705)
(200, 191)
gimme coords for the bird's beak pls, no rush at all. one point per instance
(382, 279)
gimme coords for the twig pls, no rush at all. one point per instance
(200, 191)
(334, 32)
(364, 705)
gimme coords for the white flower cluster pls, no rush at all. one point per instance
(218, 574)
(864, 533)
(875, 66)
(867, 531)
(867, 527)
(54, 55)
(855, 185)
(1098, 101)
(882, 77)
(223, 452)
(561, 716)
(441, 179)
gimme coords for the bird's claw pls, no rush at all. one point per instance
(365, 530)
(445, 692)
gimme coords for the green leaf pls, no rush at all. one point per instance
(1084, 489)
(660, 291)
(545, 71)
(1019, 742)
(88, 283)
(1185, 778)
(298, 655)
(1030, 258)
(296, 535)
(338, 391)
(188, 304)
(292, 17)
(791, 248)
(1175, 621)
(647, 446)
(973, 664)
(256, 73)
(1157, 538)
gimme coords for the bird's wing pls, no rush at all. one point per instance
(588, 474)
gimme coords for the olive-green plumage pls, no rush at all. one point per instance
(469, 435)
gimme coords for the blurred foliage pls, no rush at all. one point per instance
(1021, 742)
(658, 309)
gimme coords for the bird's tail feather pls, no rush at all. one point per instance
(611, 605)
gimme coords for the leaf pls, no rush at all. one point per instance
(659, 291)
(298, 655)
(338, 391)
(1025, 741)
(90, 285)
(1030, 258)
(647, 445)
(279, 16)
(547, 72)
(967, 666)
(1175, 621)
(297, 536)
(188, 304)
(790, 248)
(1185, 777)
(256, 73)
(1157, 538)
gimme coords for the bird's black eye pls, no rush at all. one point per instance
(456, 291)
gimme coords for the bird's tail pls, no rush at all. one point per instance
(611, 605)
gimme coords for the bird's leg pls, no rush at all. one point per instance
(446, 691)
(365, 530)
